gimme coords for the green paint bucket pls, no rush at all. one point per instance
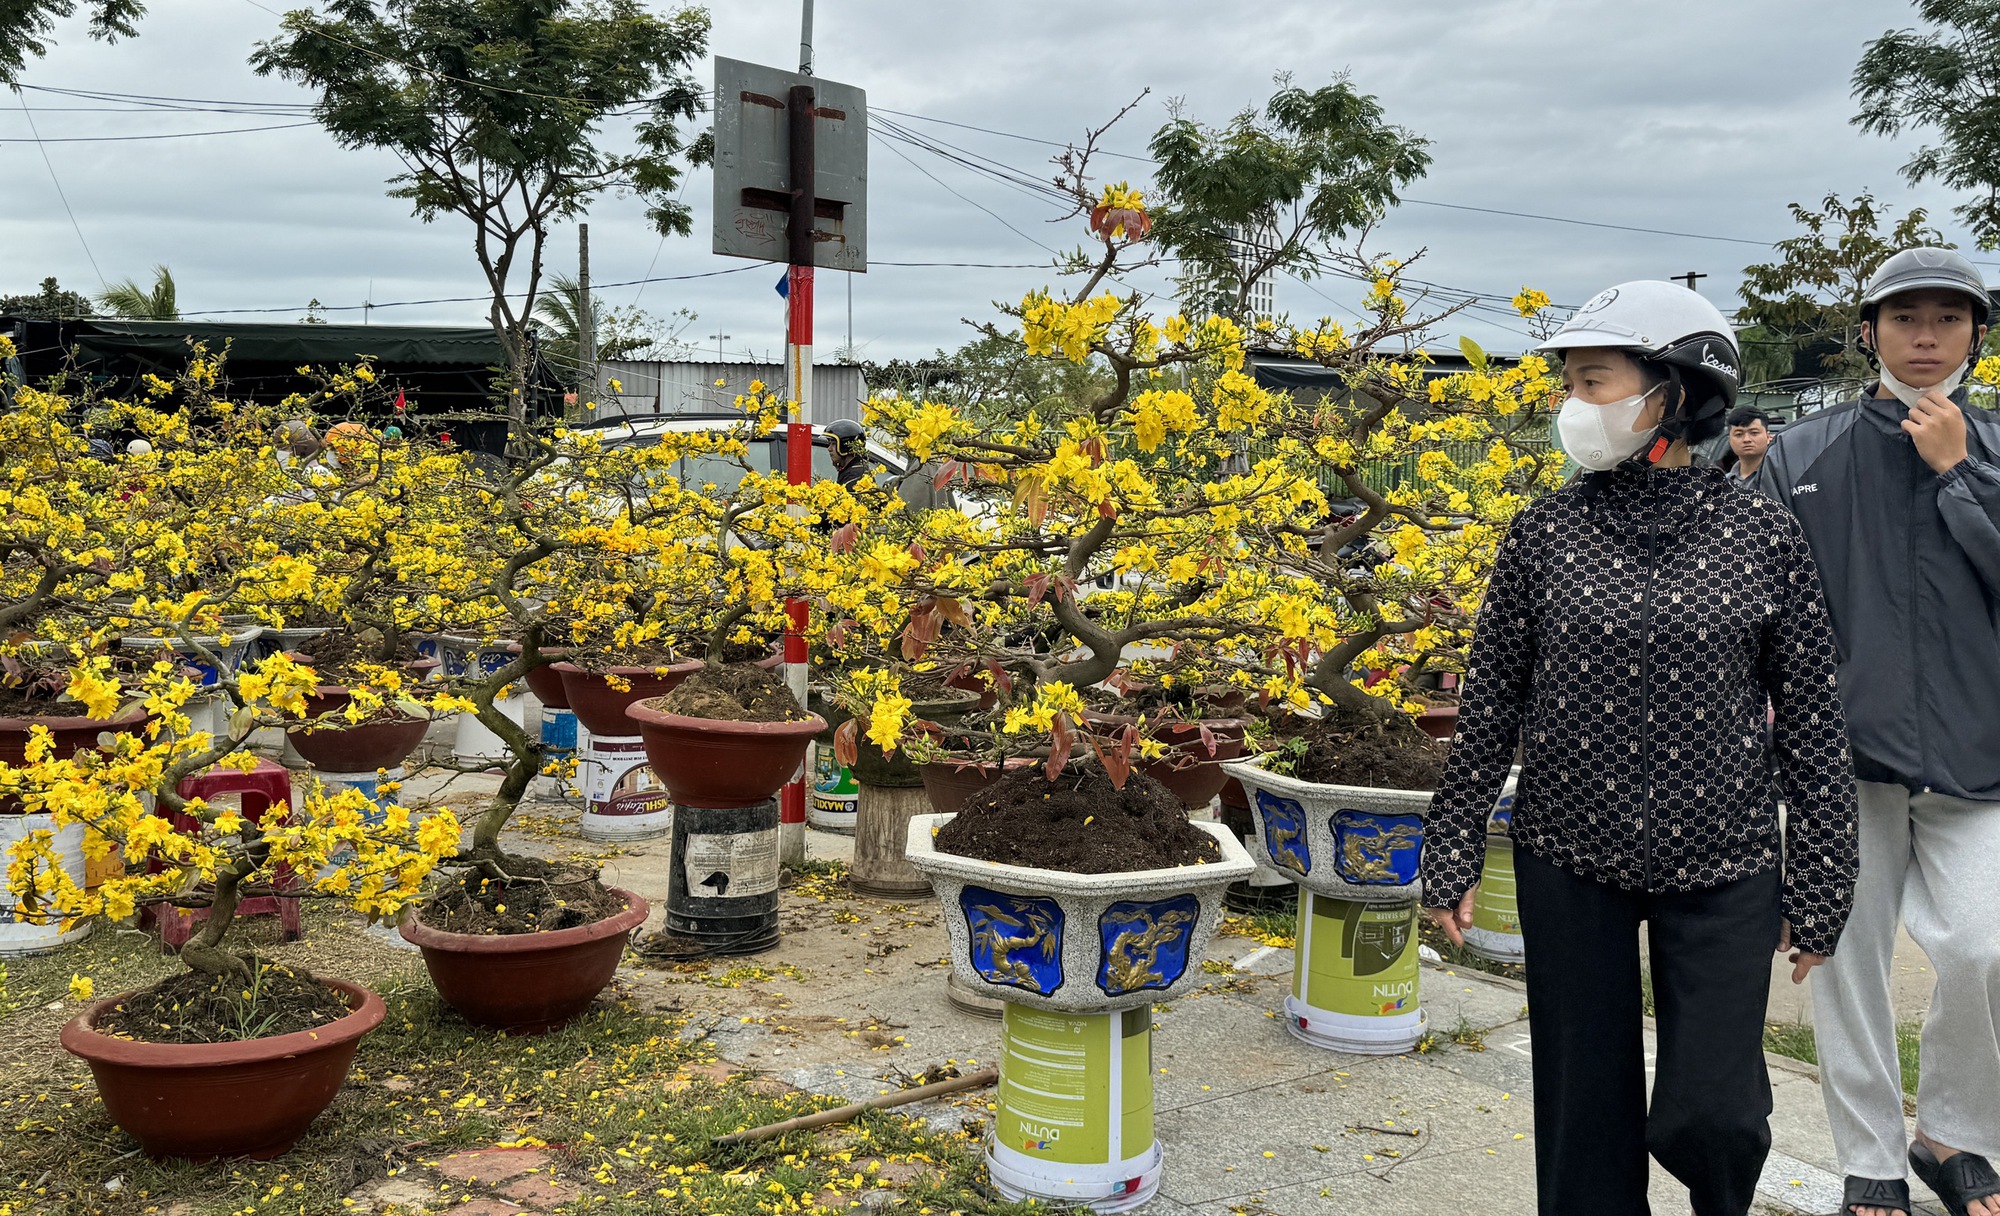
(1075, 1122)
(1354, 985)
(1495, 932)
(835, 796)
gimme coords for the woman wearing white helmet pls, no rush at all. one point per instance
(1637, 623)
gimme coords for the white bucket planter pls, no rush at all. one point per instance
(231, 652)
(473, 743)
(20, 937)
(1078, 960)
(1348, 841)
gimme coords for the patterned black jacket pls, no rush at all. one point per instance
(1629, 643)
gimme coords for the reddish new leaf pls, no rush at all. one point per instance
(1208, 740)
(843, 538)
(1038, 586)
(1061, 740)
(1001, 680)
(844, 737)
(954, 611)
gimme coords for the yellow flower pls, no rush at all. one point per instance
(81, 988)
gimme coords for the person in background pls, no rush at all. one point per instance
(1636, 625)
(1749, 439)
(1899, 495)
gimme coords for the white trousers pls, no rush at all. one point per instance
(1934, 863)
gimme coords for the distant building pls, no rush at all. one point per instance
(1208, 289)
(690, 387)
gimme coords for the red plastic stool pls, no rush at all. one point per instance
(262, 786)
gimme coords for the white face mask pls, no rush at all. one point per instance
(1909, 394)
(1601, 437)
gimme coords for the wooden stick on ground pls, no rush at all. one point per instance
(841, 1114)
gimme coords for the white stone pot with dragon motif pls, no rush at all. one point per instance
(1350, 842)
(1077, 943)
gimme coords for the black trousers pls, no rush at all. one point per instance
(1711, 1102)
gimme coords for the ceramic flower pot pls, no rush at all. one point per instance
(1076, 943)
(526, 983)
(1349, 842)
(709, 762)
(208, 1100)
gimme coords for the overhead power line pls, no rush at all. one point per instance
(110, 139)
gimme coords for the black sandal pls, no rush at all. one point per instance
(1959, 1180)
(1892, 1194)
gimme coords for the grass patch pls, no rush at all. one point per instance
(1279, 929)
(1794, 1041)
(624, 1103)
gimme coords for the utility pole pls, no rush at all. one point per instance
(719, 340)
(1689, 278)
(799, 364)
(586, 321)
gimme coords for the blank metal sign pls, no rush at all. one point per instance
(752, 166)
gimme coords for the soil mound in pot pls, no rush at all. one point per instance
(1350, 749)
(1078, 823)
(733, 693)
(541, 898)
(16, 702)
(337, 656)
(192, 1007)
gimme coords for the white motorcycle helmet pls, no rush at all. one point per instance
(1683, 335)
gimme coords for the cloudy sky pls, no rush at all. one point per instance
(1708, 123)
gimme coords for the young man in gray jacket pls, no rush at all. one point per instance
(1899, 496)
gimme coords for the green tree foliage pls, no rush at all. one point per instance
(1811, 294)
(51, 303)
(1308, 169)
(1944, 80)
(25, 26)
(498, 111)
(126, 298)
(993, 378)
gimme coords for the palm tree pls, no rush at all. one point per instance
(128, 299)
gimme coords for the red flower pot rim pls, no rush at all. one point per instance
(80, 1036)
(417, 933)
(675, 668)
(135, 715)
(643, 713)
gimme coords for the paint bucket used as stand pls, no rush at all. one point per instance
(835, 796)
(370, 785)
(473, 743)
(1495, 932)
(1075, 1121)
(1354, 986)
(623, 798)
(561, 743)
(19, 936)
(722, 880)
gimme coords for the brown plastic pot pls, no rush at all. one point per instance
(71, 735)
(950, 784)
(1197, 783)
(1439, 721)
(708, 762)
(545, 681)
(383, 741)
(208, 1100)
(525, 983)
(601, 708)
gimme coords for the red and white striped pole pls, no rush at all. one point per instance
(798, 438)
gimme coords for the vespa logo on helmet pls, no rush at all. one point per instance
(1603, 299)
(1709, 361)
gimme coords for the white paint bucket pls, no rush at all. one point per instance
(623, 798)
(17, 936)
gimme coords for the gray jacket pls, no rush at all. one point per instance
(1910, 562)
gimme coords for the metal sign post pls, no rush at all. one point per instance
(791, 176)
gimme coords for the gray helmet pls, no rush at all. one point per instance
(1927, 267)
